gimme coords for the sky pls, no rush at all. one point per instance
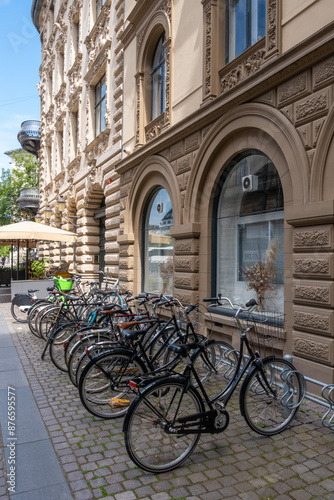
(20, 58)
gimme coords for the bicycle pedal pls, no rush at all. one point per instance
(119, 403)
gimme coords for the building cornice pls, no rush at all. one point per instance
(269, 76)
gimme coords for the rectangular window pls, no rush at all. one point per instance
(245, 25)
(49, 163)
(76, 36)
(99, 5)
(61, 65)
(100, 105)
(60, 148)
(75, 132)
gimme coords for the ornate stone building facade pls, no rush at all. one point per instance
(81, 78)
(229, 147)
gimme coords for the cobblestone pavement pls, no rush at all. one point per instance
(237, 464)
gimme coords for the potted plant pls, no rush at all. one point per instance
(261, 276)
(37, 269)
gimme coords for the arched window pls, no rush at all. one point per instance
(249, 234)
(158, 80)
(157, 254)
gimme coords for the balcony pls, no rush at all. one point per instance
(29, 201)
(30, 136)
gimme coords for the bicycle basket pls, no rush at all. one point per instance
(63, 285)
(265, 329)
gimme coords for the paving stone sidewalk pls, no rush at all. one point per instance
(237, 464)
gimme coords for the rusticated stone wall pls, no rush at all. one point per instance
(313, 300)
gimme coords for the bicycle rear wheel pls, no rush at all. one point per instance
(270, 396)
(20, 313)
(104, 383)
(149, 424)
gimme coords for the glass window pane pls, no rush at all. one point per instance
(245, 25)
(158, 245)
(158, 80)
(250, 232)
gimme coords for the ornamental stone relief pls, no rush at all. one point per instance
(317, 294)
(74, 8)
(323, 73)
(311, 266)
(312, 106)
(272, 41)
(190, 246)
(246, 68)
(317, 322)
(208, 50)
(312, 238)
(99, 34)
(313, 349)
(62, 35)
(293, 89)
(153, 129)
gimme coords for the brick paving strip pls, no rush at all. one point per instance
(237, 464)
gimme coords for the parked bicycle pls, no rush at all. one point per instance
(168, 415)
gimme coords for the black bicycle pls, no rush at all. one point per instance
(166, 418)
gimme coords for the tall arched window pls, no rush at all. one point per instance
(158, 79)
(249, 235)
(157, 252)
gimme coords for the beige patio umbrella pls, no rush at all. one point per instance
(29, 230)
(26, 232)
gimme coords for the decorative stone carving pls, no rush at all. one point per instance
(166, 7)
(208, 49)
(243, 70)
(184, 247)
(155, 127)
(62, 36)
(312, 266)
(316, 238)
(318, 322)
(96, 66)
(305, 347)
(323, 73)
(294, 89)
(312, 293)
(273, 22)
(74, 8)
(192, 142)
(99, 34)
(311, 107)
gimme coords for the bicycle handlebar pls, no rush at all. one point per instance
(236, 307)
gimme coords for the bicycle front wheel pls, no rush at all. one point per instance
(149, 424)
(270, 396)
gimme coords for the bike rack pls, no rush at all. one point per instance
(327, 393)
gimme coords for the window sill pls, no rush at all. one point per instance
(243, 66)
(155, 127)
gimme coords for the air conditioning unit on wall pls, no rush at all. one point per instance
(250, 183)
(160, 208)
